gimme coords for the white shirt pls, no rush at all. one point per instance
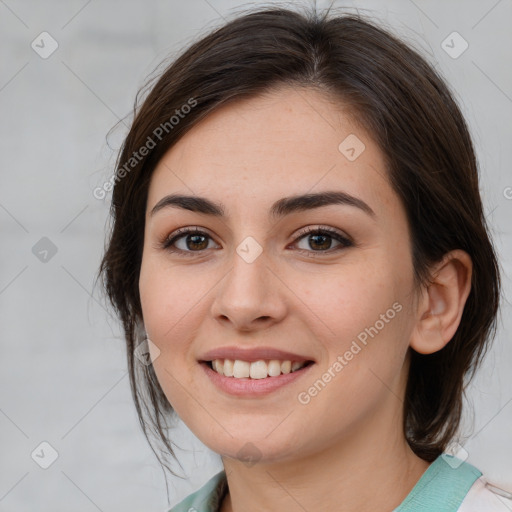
(485, 498)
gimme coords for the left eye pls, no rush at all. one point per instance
(321, 239)
(194, 241)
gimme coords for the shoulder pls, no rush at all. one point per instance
(485, 497)
(207, 499)
(452, 485)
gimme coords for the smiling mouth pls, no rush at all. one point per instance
(260, 369)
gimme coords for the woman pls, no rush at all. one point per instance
(299, 243)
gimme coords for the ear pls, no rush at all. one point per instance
(442, 302)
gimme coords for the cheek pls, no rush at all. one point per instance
(360, 317)
(347, 300)
(166, 307)
(168, 297)
(363, 326)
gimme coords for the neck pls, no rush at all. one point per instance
(364, 471)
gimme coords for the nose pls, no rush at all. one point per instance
(250, 296)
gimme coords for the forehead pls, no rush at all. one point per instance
(285, 142)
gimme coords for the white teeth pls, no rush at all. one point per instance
(228, 367)
(274, 368)
(256, 369)
(218, 366)
(241, 369)
(286, 366)
(296, 366)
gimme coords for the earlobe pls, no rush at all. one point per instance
(442, 303)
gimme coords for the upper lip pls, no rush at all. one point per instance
(252, 354)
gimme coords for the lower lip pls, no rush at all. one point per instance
(253, 387)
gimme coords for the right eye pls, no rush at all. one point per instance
(192, 240)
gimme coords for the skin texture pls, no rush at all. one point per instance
(322, 455)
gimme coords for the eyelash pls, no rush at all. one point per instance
(168, 242)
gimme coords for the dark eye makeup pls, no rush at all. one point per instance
(319, 236)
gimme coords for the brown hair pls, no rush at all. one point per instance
(409, 111)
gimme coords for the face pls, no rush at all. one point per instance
(260, 279)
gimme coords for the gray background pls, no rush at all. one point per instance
(63, 370)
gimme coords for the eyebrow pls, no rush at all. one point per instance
(280, 208)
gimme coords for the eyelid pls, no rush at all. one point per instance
(314, 228)
(344, 239)
(167, 242)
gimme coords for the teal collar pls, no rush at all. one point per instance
(442, 487)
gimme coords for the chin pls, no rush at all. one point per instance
(252, 446)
